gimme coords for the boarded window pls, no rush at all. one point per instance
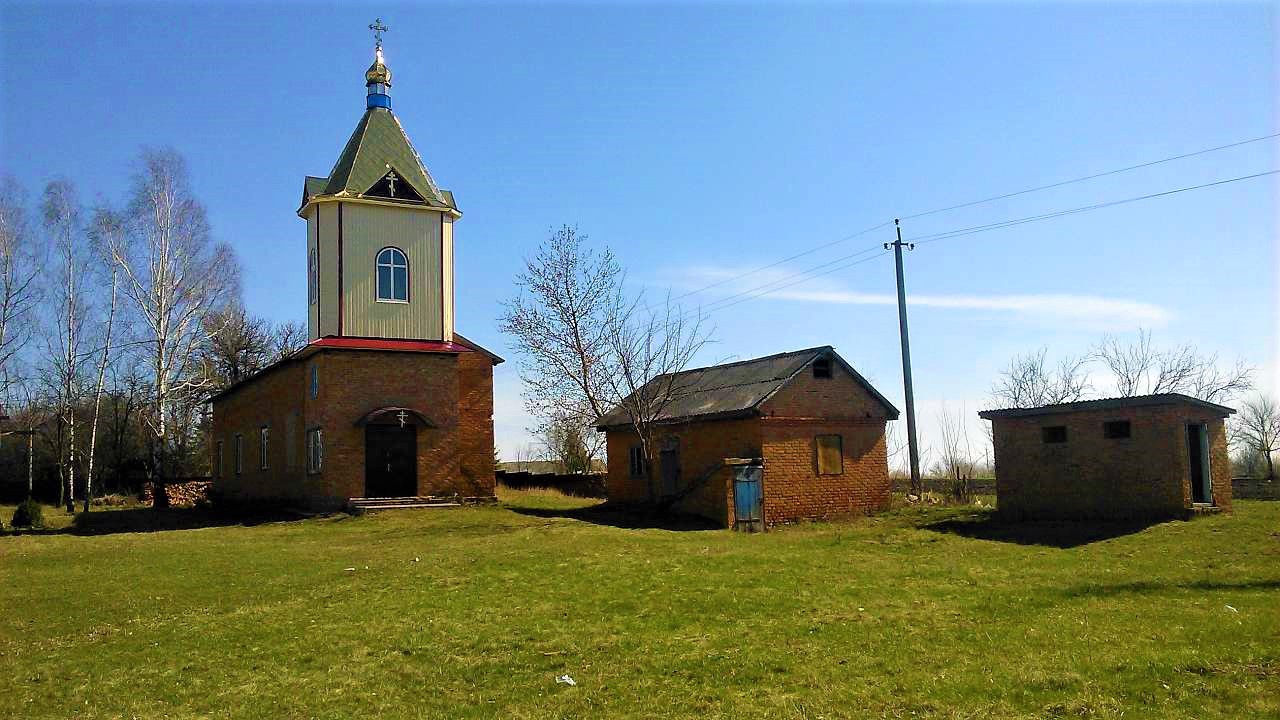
(636, 461)
(239, 451)
(1116, 430)
(822, 368)
(830, 454)
(1054, 434)
(217, 459)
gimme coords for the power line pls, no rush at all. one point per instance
(710, 306)
(797, 256)
(935, 237)
(848, 261)
(1091, 177)
(972, 203)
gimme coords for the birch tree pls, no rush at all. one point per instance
(174, 275)
(18, 291)
(107, 228)
(61, 211)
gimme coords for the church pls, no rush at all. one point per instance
(386, 401)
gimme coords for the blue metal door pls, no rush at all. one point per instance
(748, 500)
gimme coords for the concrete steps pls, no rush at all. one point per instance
(402, 503)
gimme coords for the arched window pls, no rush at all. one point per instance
(313, 277)
(393, 275)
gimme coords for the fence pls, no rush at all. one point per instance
(580, 484)
(1255, 489)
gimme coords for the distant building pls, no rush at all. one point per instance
(1152, 456)
(799, 435)
(387, 399)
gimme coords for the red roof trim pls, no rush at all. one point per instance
(352, 343)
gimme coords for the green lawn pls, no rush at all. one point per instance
(473, 612)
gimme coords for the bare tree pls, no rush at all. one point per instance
(175, 276)
(106, 229)
(956, 462)
(648, 349)
(561, 321)
(238, 345)
(18, 291)
(565, 444)
(61, 211)
(1258, 428)
(1028, 382)
(1139, 368)
(286, 339)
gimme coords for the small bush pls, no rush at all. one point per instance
(28, 514)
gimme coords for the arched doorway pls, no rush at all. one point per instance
(391, 451)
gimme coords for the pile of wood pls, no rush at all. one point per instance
(181, 494)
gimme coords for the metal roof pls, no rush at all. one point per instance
(378, 144)
(1108, 404)
(735, 389)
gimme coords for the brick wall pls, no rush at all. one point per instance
(703, 446)
(274, 399)
(793, 489)
(1090, 476)
(455, 454)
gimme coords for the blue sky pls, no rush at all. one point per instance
(701, 141)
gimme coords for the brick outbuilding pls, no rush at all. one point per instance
(1145, 457)
(793, 436)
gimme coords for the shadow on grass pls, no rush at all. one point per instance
(628, 517)
(1059, 533)
(1149, 587)
(145, 519)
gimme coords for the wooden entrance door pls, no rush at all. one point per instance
(748, 499)
(390, 461)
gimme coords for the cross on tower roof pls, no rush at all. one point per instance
(378, 28)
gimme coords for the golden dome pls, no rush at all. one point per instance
(378, 72)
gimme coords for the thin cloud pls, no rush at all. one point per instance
(1058, 307)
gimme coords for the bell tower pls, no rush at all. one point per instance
(379, 232)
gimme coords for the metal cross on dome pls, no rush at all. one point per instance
(378, 28)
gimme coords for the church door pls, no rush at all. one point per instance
(391, 461)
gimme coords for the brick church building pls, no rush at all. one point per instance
(386, 400)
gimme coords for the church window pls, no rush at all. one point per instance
(315, 450)
(239, 451)
(264, 445)
(217, 460)
(393, 275)
(315, 381)
(313, 278)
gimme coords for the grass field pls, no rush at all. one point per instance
(934, 612)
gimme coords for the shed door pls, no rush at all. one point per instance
(748, 499)
(1198, 450)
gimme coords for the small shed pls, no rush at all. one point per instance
(1144, 457)
(793, 436)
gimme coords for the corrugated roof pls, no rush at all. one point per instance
(1108, 404)
(735, 388)
(380, 144)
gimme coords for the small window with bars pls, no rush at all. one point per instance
(264, 446)
(1117, 430)
(636, 461)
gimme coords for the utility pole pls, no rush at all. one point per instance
(917, 487)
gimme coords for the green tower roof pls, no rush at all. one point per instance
(379, 145)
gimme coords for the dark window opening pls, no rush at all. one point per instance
(1116, 430)
(822, 368)
(636, 457)
(1054, 434)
